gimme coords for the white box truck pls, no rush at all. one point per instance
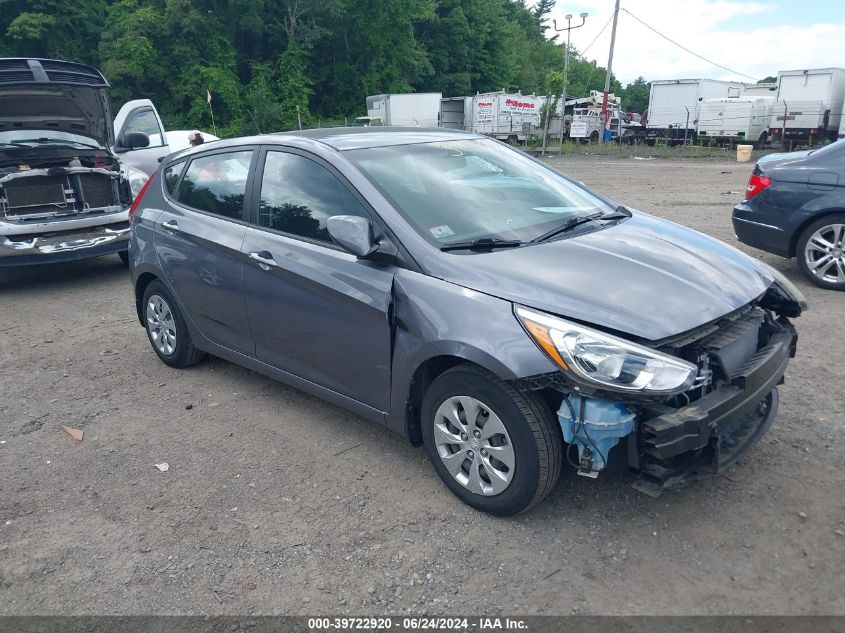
(418, 109)
(807, 107)
(735, 120)
(759, 90)
(505, 115)
(456, 113)
(673, 106)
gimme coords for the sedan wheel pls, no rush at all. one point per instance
(166, 328)
(474, 445)
(495, 447)
(161, 325)
(821, 252)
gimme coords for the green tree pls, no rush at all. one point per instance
(51, 28)
(635, 95)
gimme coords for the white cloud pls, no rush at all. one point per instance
(699, 25)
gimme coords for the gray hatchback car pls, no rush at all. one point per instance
(468, 297)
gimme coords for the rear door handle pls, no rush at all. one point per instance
(171, 225)
(264, 259)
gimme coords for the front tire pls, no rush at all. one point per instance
(498, 449)
(821, 252)
(166, 328)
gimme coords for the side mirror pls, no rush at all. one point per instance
(353, 233)
(132, 140)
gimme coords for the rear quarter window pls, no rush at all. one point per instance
(171, 176)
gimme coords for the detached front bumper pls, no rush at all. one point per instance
(674, 446)
(58, 245)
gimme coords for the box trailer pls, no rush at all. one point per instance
(759, 90)
(505, 115)
(807, 107)
(735, 120)
(418, 109)
(673, 106)
(456, 113)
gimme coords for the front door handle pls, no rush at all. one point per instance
(264, 259)
(171, 225)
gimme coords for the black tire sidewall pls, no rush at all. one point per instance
(806, 234)
(183, 340)
(526, 479)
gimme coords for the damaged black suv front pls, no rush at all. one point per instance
(63, 193)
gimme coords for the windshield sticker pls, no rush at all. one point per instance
(441, 231)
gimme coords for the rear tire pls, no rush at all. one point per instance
(124, 257)
(820, 252)
(166, 328)
(518, 427)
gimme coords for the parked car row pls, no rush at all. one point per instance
(446, 285)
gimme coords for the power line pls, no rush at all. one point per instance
(666, 37)
(606, 24)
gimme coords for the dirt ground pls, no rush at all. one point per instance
(275, 502)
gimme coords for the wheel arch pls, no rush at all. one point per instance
(799, 230)
(144, 280)
(426, 373)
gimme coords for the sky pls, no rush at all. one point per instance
(754, 38)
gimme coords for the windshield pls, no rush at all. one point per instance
(37, 138)
(454, 191)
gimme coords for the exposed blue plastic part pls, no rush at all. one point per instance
(604, 423)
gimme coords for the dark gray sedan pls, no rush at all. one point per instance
(468, 297)
(795, 207)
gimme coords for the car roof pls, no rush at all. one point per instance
(345, 138)
(337, 138)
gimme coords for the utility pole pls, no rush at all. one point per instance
(604, 110)
(568, 30)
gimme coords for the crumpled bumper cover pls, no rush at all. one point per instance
(710, 434)
(60, 246)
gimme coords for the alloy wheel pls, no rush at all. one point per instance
(474, 445)
(824, 254)
(161, 325)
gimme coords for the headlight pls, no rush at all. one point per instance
(788, 287)
(136, 179)
(606, 361)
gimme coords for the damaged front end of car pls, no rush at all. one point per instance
(672, 410)
(56, 212)
(63, 193)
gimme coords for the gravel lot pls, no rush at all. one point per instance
(276, 502)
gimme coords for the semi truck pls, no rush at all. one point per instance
(735, 120)
(807, 109)
(673, 106)
(417, 109)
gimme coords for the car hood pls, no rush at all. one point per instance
(79, 110)
(646, 277)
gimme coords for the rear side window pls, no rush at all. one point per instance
(171, 176)
(298, 195)
(216, 184)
